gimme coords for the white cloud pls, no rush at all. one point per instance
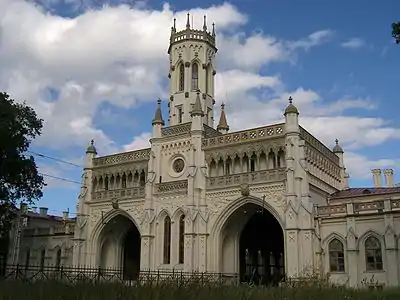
(314, 39)
(139, 142)
(354, 43)
(118, 54)
(360, 166)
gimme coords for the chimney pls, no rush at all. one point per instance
(389, 182)
(43, 211)
(65, 215)
(377, 177)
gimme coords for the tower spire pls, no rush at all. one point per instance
(197, 110)
(158, 119)
(188, 21)
(223, 124)
(205, 23)
(213, 29)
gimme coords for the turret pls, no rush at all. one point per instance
(197, 114)
(158, 121)
(192, 68)
(223, 124)
(291, 117)
(338, 150)
(91, 153)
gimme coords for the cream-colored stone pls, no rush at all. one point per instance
(218, 184)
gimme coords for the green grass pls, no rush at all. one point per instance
(10, 290)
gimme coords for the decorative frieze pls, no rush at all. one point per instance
(331, 210)
(357, 208)
(134, 192)
(376, 206)
(316, 144)
(172, 187)
(138, 155)
(264, 176)
(176, 130)
(245, 136)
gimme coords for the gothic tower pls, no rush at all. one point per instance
(192, 69)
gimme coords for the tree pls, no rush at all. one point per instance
(20, 180)
(396, 32)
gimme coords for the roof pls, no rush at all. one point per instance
(366, 191)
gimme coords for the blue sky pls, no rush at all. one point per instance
(94, 69)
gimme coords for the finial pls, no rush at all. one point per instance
(290, 99)
(222, 106)
(174, 23)
(198, 92)
(205, 23)
(159, 101)
(213, 30)
(91, 142)
(337, 142)
(188, 21)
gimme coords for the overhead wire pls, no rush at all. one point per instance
(54, 158)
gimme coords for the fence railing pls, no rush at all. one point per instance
(74, 275)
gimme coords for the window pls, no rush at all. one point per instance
(42, 258)
(123, 181)
(27, 258)
(58, 259)
(373, 254)
(106, 183)
(181, 77)
(207, 79)
(195, 76)
(336, 256)
(167, 240)
(180, 115)
(181, 239)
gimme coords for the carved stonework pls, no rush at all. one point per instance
(245, 189)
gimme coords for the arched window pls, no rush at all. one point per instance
(181, 77)
(182, 239)
(42, 258)
(373, 254)
(27, 258)
(195, 76)
(58, 259)
(207, 79)
(336, 256)
(167, 240)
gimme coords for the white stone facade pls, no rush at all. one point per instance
(262, 202)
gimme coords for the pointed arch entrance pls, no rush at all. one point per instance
(120, 246)
(251, 243)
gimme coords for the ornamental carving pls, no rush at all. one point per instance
(178, 165)
(245, 189)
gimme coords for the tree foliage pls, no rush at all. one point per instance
(396, 32)
(19, 177)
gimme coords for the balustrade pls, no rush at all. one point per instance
(264, 176)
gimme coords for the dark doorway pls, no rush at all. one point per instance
(262, 250)
(131, 254)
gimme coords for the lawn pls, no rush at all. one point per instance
(49, 290)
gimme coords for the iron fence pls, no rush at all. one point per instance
(74, 275)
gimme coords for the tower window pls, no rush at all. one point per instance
(181, 77)
(195, 76)
(207, 79)
(167, 240)
(181, 239)
(180, 115)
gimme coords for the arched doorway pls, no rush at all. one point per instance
(120, 247)
(253, 242)
(131, 253)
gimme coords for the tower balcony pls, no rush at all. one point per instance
(190, 34)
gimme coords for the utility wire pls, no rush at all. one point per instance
(60, 178)
(54, 158)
